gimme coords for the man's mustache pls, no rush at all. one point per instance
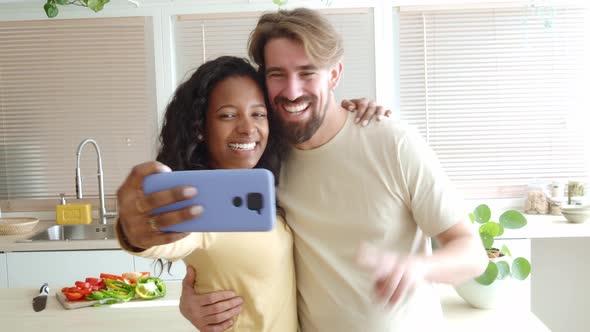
(302, 99)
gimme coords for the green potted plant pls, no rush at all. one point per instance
(488, 288)
(51, 9)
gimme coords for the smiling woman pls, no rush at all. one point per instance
(214, 118)
(236, 129)
(218, 119)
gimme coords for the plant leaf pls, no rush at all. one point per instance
(521, 268)
(487, 240)
(506, 250)
(472, 217)
(61, 2)
(503, 270)
(489, 275)
(512, 219)
(51, 10)
(482, 213)
(96, 5)
(492, 228)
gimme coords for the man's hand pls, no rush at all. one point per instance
(141, 229)
(393, 274)
(211, 312)
(365, 110)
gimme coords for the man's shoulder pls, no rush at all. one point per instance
(391, 129)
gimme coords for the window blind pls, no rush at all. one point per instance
(62, 81)
(205, 37)
(498, 93)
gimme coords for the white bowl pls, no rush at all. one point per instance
(576, 217)
(576, 208)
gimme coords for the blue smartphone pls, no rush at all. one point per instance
(234, 200)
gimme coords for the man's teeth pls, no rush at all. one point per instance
(296, 108)
(243, 146)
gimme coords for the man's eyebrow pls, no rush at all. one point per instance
(300, 68)
(307, 67)
(272, 69)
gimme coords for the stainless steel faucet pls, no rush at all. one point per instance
(102, 213)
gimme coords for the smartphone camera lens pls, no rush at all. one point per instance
(237, 201)
(255, 202)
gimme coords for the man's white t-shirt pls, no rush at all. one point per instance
(382, 185)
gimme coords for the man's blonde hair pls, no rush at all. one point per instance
(321, 41)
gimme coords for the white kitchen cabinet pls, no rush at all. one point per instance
(177, 271)
(3, 272)
(63, 268)
(560, 282)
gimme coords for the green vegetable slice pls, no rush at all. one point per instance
(150, 288)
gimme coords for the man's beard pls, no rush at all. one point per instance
(299, 132)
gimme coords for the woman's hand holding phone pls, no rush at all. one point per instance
(140, 229)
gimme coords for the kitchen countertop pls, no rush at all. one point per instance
(539, 226)
(16, 314)
(547, 226)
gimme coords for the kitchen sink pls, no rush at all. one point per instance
(76, 232)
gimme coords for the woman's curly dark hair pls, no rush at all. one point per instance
(181, 148)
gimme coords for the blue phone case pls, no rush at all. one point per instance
(234, 200)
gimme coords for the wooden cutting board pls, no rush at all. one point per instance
(163, 301)
(75, 304)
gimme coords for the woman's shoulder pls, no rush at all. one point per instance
(282, 222)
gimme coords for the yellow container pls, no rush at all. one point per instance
(75, 213)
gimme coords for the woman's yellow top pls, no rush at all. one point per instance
(257, 266)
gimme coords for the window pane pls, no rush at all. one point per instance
(496, 92)
(62, 81)
(208, 36)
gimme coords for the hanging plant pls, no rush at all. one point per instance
(52, 10)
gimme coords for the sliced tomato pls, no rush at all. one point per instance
(94, 281)
(70, 289)
(95, 288)
(74, 296)
(85, 291)
(82, 284)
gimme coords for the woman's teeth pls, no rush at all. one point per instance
(296, 108)
(242, 146)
